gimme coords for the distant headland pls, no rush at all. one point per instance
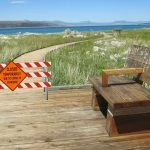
(28, 23)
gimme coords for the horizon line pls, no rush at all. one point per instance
(84, 21)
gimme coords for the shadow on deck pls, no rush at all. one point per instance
(65, 121)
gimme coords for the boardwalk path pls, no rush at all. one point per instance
(39, 54)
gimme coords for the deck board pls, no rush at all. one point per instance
(65, 122)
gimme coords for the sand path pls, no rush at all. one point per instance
(38, 55)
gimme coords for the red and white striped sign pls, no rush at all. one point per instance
(2, 66)
(14, 75)
(38, 74)
(29, 85)
(30, 65)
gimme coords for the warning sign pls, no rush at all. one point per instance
(12, 76)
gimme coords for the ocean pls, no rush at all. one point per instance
(49, 30)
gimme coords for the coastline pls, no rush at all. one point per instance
(59, 29)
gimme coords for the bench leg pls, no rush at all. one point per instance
(111, 126)
(94, 103)
(99, 103)
(127, 124)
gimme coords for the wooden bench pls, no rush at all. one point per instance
(125, 102)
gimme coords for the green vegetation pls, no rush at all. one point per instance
(141, 37)
(14, 46)
(74, 64)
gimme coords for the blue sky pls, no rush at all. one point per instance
(75, 10)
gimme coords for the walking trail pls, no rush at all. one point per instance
(38, 55)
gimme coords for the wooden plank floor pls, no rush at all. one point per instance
(65, 122)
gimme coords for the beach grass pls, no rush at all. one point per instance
(14, 46)
(141, 36)
(74, 64)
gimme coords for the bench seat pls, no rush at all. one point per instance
(122, 92)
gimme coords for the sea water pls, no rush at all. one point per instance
(49, 30)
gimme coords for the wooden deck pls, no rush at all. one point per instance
(65, 122)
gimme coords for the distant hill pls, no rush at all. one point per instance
(57, 23)
(5, 24)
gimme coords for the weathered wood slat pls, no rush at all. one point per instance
(130, 111)
(122, 71)
(91, 142)
(42, 117)
(109, 72)
(87, 143)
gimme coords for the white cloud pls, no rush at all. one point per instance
(17, 2)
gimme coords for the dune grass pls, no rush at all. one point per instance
(141, 37)
(14, 46)
(73, 65)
